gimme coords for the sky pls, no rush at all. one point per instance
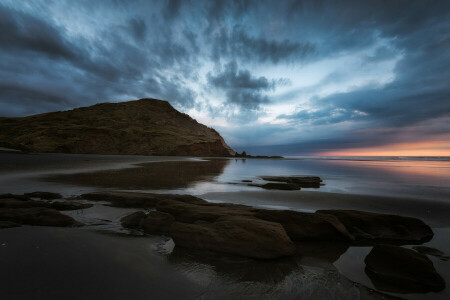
(273, 77)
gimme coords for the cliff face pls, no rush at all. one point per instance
(144, 127)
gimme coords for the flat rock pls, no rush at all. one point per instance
(210, 212)
(16, 203)
(137, 200)
(301, 226)
(43, 195)
(400, 270)
(157, 222)
(280, 186)
(237, 235)
(133, 220)
(36, 216)
(69, 205)
(302, 181)
(382, 227)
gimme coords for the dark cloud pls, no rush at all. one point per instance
(241, 87)
(237, 43)
(138, 28)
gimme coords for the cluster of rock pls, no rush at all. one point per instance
(258, 233)
(16, 210)
(196, 224)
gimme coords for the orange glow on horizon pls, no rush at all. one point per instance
(426, 148)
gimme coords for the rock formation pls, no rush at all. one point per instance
(144, 127)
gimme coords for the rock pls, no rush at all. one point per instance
(210, 212)
(13, 196)
(237, 235)
(302, 181)
(36, 216)
(400, 270)
(280, 186)
(301, 226)
(7, 224)
(137, 200)
(157, 222)
(15, 203)
(382, 227)
(133, 220)
(43, 195)
(60, 205)
(246, 180)
(431, 251)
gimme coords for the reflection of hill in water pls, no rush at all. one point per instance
(157, 175)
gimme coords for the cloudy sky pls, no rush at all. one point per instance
(288, 77)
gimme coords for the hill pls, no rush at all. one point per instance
(140, 127)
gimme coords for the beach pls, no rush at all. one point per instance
(103, 259)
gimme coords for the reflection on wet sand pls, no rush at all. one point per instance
(157, 175)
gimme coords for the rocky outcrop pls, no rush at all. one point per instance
(401, 270)
(307, 226)
(248, 237)
(145, 127)
(137, 200)
(36, 216)
(43, 195)
(382, 227)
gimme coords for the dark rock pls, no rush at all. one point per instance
(13, 196)
(138, 200)
(280, 186)
(36, 216)
(431, 251)
(242, 236)
(246, 180)
(302, 181)
(133, 220)
(209, 212)
(43, 195)
(157, 223)
(400, 270)
(7, 224)
(15, 203)
(69, 205)
(301, 226)
(382, 227)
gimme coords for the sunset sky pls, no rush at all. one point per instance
(273, 77)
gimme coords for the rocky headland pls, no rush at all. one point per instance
(140, 127)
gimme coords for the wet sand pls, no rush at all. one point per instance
(104, 260)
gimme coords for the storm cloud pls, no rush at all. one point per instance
(309, 75)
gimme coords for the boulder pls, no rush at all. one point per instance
(133, 220)
(37, 216)
(13, 196)
(237, 235)
(157, 222)
(43, 195)
(382, 227)
(302, 226)
(400, 270)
